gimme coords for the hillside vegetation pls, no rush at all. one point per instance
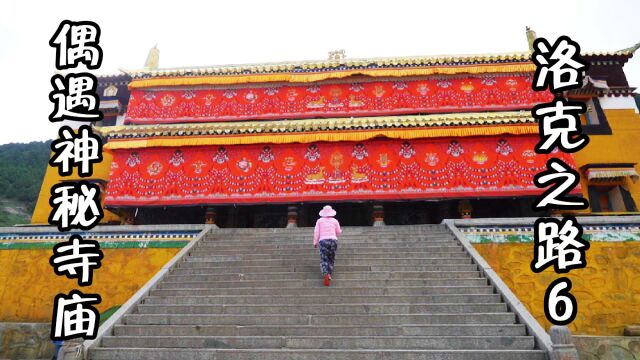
(22, 167)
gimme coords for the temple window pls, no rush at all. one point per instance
(608, 186)
(110, 90)
(614, 198)
(594, 120)
(591, 116)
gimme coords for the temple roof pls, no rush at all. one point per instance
(337, 64)
(362, 63)
(316, 125)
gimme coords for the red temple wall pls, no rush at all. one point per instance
(368, 97)
(375, 169)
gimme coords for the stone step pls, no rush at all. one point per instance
(371, 251)
(331, 291)
(325, 300)
(398, 293)
(413, 227)
(362, 275)
(345, 230)
(257, 246)
(341, 240)
(313, 254)
(199, 268)
(335, 320)
(362, 228)
(318, 342)
(346, 261)
(345, 234)
(311, 354)
(322, 309)
(337, 282)
(305, 330)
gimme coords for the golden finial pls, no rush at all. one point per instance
(152, 59)
(337, 54)
(531, 36)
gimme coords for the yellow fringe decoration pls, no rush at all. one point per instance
(176, 80)
(405, 134)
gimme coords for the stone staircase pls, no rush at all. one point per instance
(399, 292)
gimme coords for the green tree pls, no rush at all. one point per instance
(22, 168)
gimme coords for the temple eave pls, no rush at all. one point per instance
(327, 136)
(325, 124)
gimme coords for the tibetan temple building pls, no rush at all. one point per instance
(404, 140)
(396, 141)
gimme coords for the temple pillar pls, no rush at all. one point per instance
(562, 347)
(210, 217)
(465, 209)
(378, 215)
(292, 217)
(232, 214)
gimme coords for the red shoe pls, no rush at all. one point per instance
(327, 280)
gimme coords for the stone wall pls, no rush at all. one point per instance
(608, 347)
(25, 341)
(28, 284)
(607, 290)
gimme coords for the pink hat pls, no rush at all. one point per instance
(327, 210)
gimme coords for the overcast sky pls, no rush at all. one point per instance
(192, 33)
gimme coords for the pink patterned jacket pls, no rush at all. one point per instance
(326, 228)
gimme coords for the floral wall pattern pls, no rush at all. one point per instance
(365, 98)
(374, 169)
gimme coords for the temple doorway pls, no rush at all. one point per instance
(348, 213)
(275, 216)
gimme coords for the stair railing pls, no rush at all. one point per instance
(75, 351)
(542, 339)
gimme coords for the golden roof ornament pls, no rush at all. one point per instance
(337, 54)
(531, 36)
(153, 59)
(630, 50)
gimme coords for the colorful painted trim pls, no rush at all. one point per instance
(612, 173)
(334, 135)
(497, 120)
(107, 240)
(351, 97)
(608, 233)
(304, 68)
